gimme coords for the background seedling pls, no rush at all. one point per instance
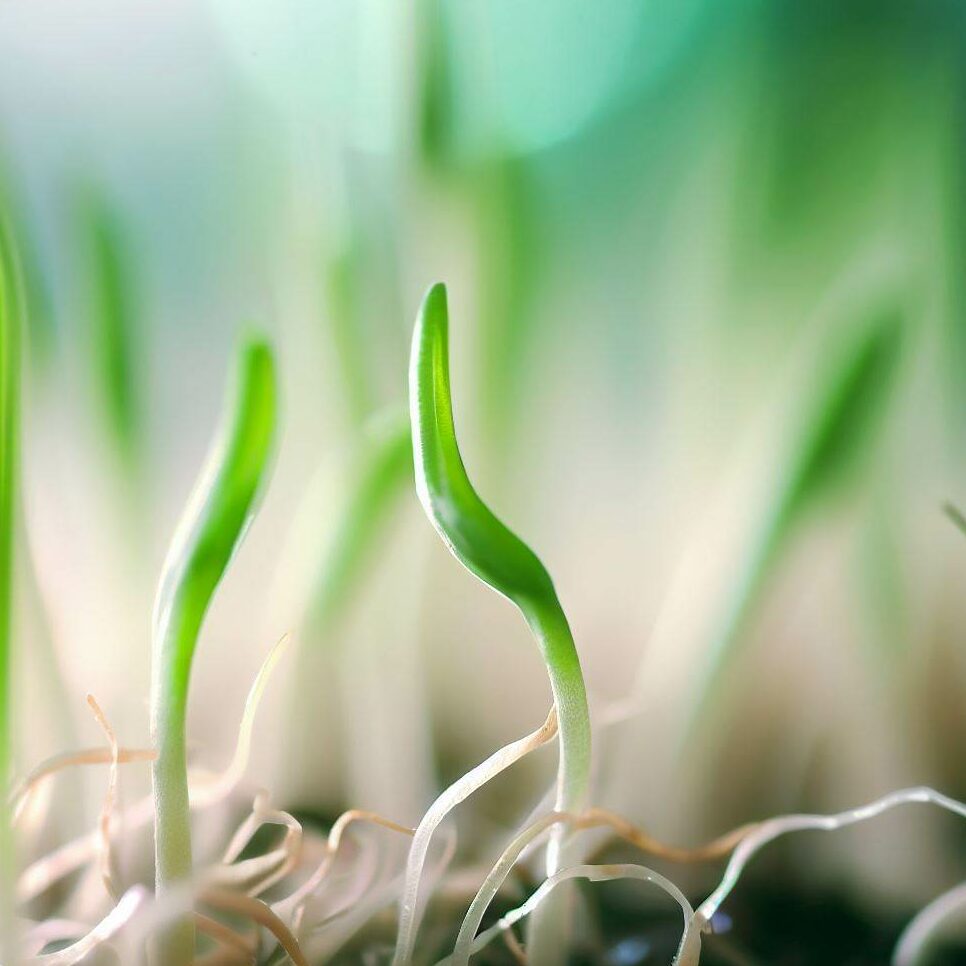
(201, 550)
(381, 466)
(111, 291)
(835, 437)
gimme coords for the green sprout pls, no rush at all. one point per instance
(343, 284)
(381, 465)
(837, 433)
(9, 406)
(110, 278)
(486, 547)
(206, 539)
(34, 293)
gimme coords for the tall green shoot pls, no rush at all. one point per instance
(9, 416)
(837, 432)
(112, 299)
(207, 537)
(486, 547)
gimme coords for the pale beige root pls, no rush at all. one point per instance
(326, 937)
(513, 944)
(689, 948)
(120, 916)
(71, 856)
(20, 796)
(108, 876)
(234, 944)
(771, 829)
(459, 791)
(39, 935)
(223, 956)
(592, 818)
(207, 790)
(633, 834)
(236, 903)
(42, 874)
(293, 906)
(351, 888)
(912, 946)
(257, 875)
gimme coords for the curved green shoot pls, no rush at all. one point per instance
(206, 539)
(485, 546)
(836, 435)
(9, 416)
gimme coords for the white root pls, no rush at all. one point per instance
(912, 945)
(293, 906)
(775, 827)
(459, 791)
(107, 809)
(689, 949)
(127, 907)
(259, 874)
(40, 875)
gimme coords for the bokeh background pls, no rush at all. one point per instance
(705, 262)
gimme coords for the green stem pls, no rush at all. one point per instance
(552, 631)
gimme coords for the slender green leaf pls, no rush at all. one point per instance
(9, 418)
(112, 293)
(837, 436)
(956, 515)
(485, 546)
(37, 314)
(381, 467)
(201, 551)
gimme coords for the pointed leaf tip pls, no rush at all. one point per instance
(475, 536)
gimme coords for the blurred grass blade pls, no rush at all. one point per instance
(836, 438)
(112, 298)
(381, 468)
(956, 515)
(851, 407)
(9, 420)
(207, 537)
(342, 292)
(37, 315)
(485, 546)
(510, 262)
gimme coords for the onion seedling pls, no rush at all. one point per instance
(381, 467)
(203, 545)
(486, 547)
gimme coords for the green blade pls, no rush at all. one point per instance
(112, 293)
(207, 537)
(9, 418)
(836, 438)
(484, 545)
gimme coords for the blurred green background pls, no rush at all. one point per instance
(705, 263)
